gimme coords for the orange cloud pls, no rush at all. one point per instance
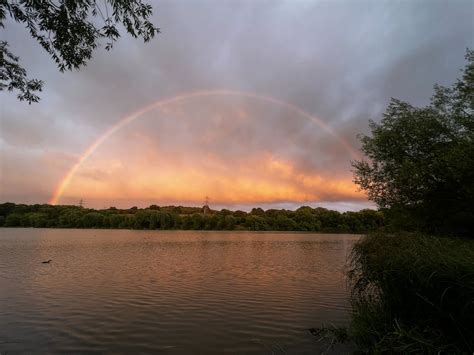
(257, 179)
(260, 151)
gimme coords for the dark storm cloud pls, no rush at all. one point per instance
(340, 61)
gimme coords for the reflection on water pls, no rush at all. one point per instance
(169, 292)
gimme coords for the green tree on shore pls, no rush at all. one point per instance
(420, 165)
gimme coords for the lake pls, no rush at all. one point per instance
(171, 292)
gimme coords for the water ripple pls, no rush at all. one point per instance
(169, 292)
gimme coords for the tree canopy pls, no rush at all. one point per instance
(420, 162)
(69, 31)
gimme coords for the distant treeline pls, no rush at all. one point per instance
(190, 218)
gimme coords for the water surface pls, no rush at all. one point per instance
(173, 292)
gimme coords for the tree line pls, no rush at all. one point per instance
(190, 218)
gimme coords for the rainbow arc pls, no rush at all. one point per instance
(64, 182)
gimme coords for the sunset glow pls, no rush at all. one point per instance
(259, 180)
(185, 177)
(245, 177)
(252, 103)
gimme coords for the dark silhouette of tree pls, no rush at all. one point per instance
(69, 31)
(420, 163)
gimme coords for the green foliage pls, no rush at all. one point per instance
(14, 77)
(69, 31)
(229, 222)
(13, 220)
(421, 160)
(178, 217)
(92, 219)
(413, 293)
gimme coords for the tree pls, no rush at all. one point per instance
(69, 31)
(421, 160)
(13, 220)
(198, 221)
(229, 222)
(92, 220)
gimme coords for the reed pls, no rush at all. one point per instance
(412, 293)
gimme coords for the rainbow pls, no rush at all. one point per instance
(59, 190)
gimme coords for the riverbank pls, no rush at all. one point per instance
(412, 293)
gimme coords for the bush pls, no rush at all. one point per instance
(413, 293)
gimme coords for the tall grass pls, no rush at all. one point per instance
(413, 293)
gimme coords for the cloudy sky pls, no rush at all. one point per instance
(247, 102)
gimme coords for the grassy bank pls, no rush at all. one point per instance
(413, 293)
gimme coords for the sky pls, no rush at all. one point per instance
(251, 103)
